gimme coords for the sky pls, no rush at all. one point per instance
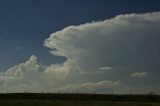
(85, 45)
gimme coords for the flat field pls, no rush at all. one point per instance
(54, 99)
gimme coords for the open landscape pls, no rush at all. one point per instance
(66, 99)
(79, 52)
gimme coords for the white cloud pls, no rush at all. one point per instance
(89, 86)
(121, 41)
(125, 40)
(22, 74)
(139, 74)
(20, 71)
(18, 48)
(29, 77)
(105, 68)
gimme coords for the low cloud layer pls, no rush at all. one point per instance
(139, 74)
(129, 40)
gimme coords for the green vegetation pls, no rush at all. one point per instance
(56, 99)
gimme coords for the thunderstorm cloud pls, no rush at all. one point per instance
(121, 44)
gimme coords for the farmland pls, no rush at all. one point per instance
(56, 99)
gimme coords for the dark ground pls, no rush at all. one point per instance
(55, 99)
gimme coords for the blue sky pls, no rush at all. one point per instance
(26, 24)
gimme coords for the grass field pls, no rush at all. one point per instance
(55, 99)
(70, 103)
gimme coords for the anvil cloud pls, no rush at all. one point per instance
(130, 40)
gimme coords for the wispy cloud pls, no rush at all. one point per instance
(139, 74)
(91, 85)
(18, 48)
(105, 68)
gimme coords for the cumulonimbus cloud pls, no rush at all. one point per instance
(125, 40)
